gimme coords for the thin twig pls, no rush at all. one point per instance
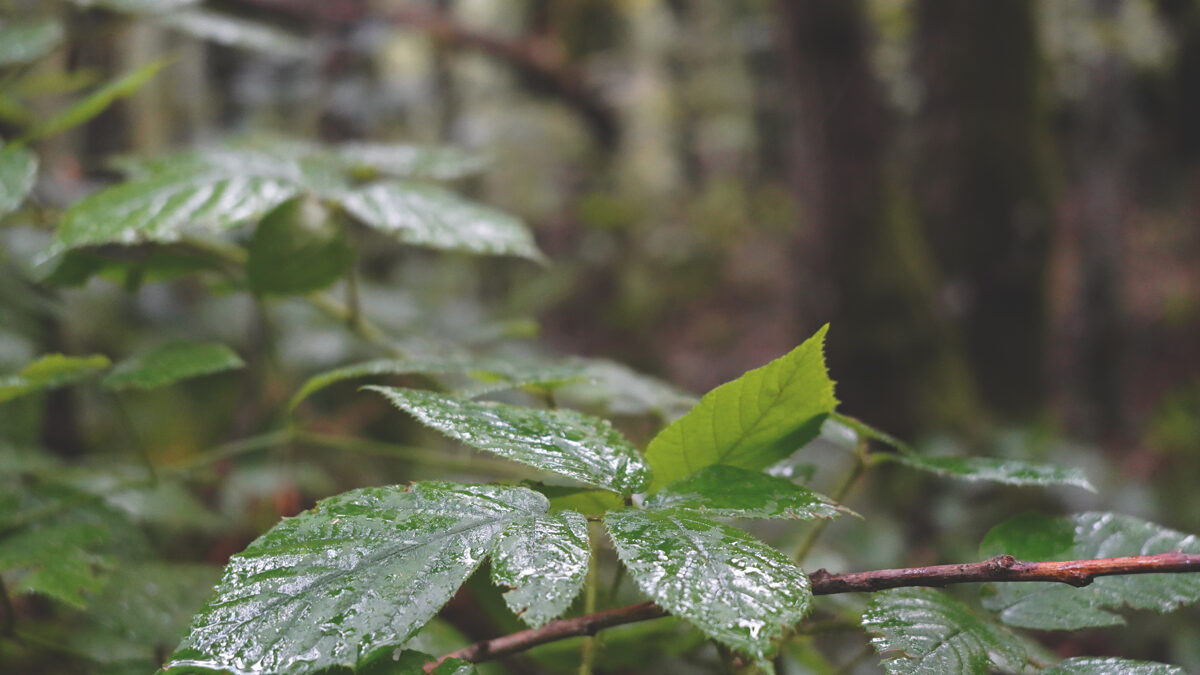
(1002, 568)
(838, 494)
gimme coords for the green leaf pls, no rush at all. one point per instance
(98, 101)
(409, 161)
(171, 363)
(26, 41)
(50, 372)
(587, 449)
(733, 587)
(922, 631)
(863, 430)
(235, 32)
(361, 571)
(1097, 665)
(425, 215)
(297, 249)
(544, 560)
(138, 6)
(1049, 606)
(732, 492)
(18, 171)
(56, 560)
(582, 500)
(1007, 471)
(165, 206)
(614, 389)
(751, 422)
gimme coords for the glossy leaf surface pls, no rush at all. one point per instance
(1050, 606)
(1096, 665)
(50, 372)
(425, 215)
(731, 492)
(410, 161)
(96, 102)
(21, 42)
(171, 363)
(990, 469)
(544, 560)
(363, 570)
(731, 586)
(615, 389)
(18, 171)
(923, 631)
(297, 249)
(585, 448)
(751, 422)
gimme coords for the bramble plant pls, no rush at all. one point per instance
(354, 584)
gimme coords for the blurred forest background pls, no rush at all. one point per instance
(996, 205)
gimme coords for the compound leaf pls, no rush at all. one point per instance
(751, 422)
(587, 449)
(922, 631)
(171, 363)
(50, 372)
(544, 560)
(1007, 471)
(733, 587)
(1048, 606)
(732, 492)
(361, 571)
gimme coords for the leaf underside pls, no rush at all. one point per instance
(1007, 471)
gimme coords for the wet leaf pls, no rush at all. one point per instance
(50, 372)
(922, 631)
(544, 560)
(733, 587)
(171, 363)
(614, 389)
(1096, 665)
(1007, 471)
(410, 161)
(731, 492)
(587, 449)
(18, 172)
(232, 31)
(751, 422)
(1049, 606)
(362, 571)
(297, 249)
(21, 42)
(96, 102)
(425, 215)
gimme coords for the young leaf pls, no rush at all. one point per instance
(751, 422)
(50, 372)
(424, 215)
(731, 492)
(171, 363)
(18, 171)
(297, 249)
(1096, 665)
(587, 449)
(363, 570)
(733, 587)
(1007, 471)
(410, 161)
(26, 41)
(97, 101)
(544, 560)
(924, 631)
(1048, 606)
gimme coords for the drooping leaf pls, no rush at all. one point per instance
(731, 586)
(171, 363)
(362, 571)
(922, 631)
(297, 249)
(50, 372)
(1097, 665)
(232, 31)
(425, 215)
(544, 560)
(732, 492)
(1048, 606)
(751, 422)
(410, 161)
(18, 171)
(96, 102)
(26, 41)
(587, 449)
(1007, 471)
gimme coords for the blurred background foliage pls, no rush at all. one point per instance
(995, 205)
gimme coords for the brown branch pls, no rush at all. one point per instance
(1002, 568)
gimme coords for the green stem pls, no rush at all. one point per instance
(857, 467)
(235, 448)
